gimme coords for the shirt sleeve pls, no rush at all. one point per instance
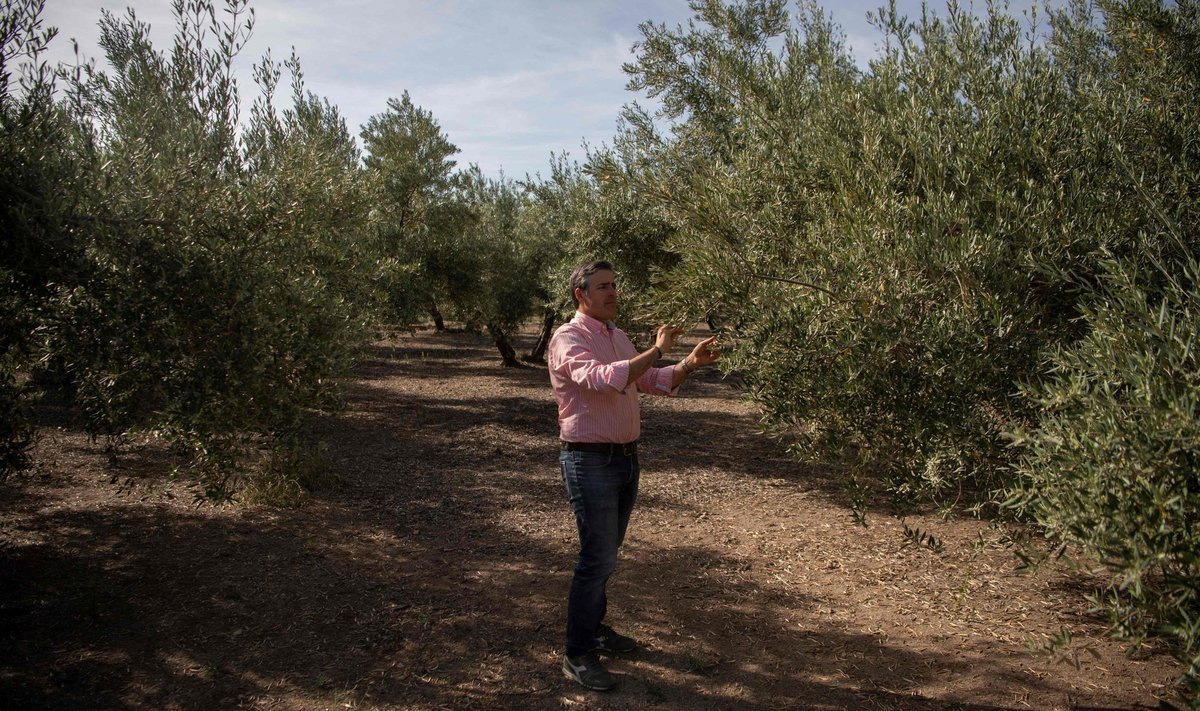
(571, 357)
(657, 381)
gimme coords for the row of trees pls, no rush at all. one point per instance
(174, 269)
(967, 270)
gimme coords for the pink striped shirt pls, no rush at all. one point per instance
(589, 371)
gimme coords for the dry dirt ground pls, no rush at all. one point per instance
(435, 575)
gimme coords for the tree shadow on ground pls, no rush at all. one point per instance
(142, 608)
(434, 577)
(695, 437)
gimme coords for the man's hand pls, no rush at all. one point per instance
(705, 353)
(666, 338)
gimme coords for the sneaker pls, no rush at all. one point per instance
(609, 641)
(589, 672)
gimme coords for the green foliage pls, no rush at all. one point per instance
(422, 212)
(1063, 648)
(16, 433)
(902, 256)
(34, 252)
(1112, 463)
(547, 238)
(508, 280)
(520, 246)
(917, 538)
(557, 221)
(460, 244)
(216, 288)
(867, 270)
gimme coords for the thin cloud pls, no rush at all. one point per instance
(510, 82)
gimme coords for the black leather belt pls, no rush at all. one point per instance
(627, 450)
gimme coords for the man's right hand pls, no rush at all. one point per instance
(666, 338)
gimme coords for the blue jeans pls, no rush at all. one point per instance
(602, 489)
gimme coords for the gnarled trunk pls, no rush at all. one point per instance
(507, 352)
(538, 354)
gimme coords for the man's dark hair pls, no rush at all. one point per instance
(583, 273)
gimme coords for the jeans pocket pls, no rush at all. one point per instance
(592, 460)
(586, 473)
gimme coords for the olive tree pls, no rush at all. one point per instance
(915, 260)
(213, 305)
(37, 185)
(1111, 462)
(422, 210)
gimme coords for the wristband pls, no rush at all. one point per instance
(655, 347)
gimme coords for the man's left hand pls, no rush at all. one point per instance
(706, 352)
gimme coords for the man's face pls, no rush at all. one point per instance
(600, 299)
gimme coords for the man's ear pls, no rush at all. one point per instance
(578, 295)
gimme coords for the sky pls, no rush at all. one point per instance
(509, 81)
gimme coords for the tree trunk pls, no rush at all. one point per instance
(506, 350)
(538, 354)
(439, 324)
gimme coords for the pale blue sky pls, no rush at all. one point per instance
(510, 81)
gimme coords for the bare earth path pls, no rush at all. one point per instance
(434, 576)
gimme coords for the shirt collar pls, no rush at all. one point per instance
(592, 324)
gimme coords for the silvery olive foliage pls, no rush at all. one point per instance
(422, 211)
(1112, 462)
(220, 279)
(33, 252)
(965, 268)
(458, 245)
(504, 294)
(959, 267)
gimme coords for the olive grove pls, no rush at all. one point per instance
(965, 269)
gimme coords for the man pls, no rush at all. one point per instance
(596, 374)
